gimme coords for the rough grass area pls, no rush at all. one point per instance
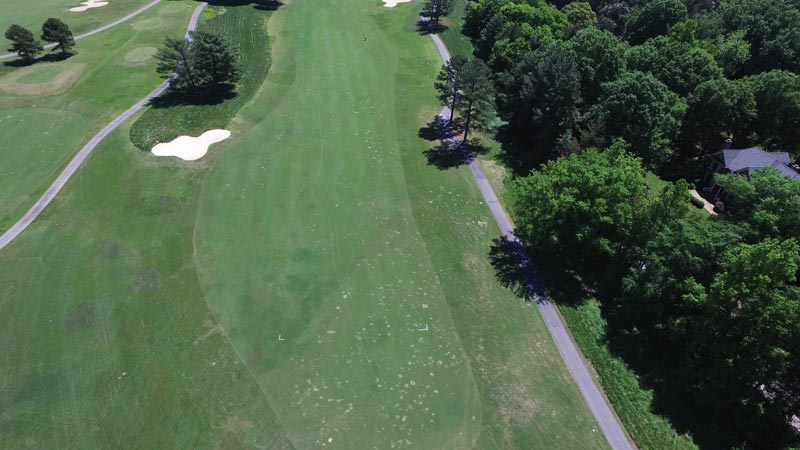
(245, 27)
(456, 42)
(631, 401)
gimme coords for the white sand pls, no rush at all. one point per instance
(190, 148)
(88, 5)
(393, 3)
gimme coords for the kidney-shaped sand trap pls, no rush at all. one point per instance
(190, 148)
(393, 3)
(88, 5)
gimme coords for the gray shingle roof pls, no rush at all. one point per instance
(750, 159)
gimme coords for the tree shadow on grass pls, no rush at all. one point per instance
(269, 5)
(424, 27)
(264, 5)
(49, 57)
(183, 97)
(510, 267)
(450, 152)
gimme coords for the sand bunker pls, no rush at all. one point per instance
(393, 3)
(190, 148)
(88, 5)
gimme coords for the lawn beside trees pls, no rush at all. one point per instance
(205, 98)
(692, 322)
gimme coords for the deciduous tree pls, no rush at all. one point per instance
(654, 19)
(641, 110)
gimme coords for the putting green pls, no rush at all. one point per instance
(32, 14)
(139, 55)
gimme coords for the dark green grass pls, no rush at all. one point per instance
(631, 401)
(244, 25)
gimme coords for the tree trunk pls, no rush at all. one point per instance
(453, 107)
(187, 68)
(467, 123)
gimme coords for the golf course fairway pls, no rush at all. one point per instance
(312, 282)
(311, 248)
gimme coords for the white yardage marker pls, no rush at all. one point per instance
(280, 338)
(423, 329)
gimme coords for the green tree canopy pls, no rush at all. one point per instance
(719, 108)
(436, 9)
(600, 58)
(586, 208)
(54, 30)
(579, 15)
(207, 60)
(772, 27)
(654, 19)
(678, 65)
(777, 95)
(476, 100)
(543, 94)
(448, 83)
(22, 42)
(641, 110)
(732, 52)
(767, 204)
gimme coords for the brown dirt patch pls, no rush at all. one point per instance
(58, 77)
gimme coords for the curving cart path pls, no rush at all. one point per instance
(97, 30)
(78, 159)
(608, 421)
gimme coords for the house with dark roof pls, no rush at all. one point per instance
(744, 162)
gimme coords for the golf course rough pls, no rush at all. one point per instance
(311, 283)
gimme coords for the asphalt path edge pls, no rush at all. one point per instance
(87, 149)
(98, 30)
(598, 404)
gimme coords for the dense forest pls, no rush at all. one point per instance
(595, 95)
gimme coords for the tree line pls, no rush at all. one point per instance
(27, 47)
(675, 80)
(597, 93)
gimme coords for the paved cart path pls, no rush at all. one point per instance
(608, 421)
(78, 159)
(97, 30)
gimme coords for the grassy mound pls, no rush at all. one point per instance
(166, 119)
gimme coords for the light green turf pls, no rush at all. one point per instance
(92, 87)
(33, 149)
(321, 199)
(323, 225)
(31, 15)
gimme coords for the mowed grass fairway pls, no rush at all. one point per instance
(31, 15)
(143, 309)
(324, 226)
(49, 110)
